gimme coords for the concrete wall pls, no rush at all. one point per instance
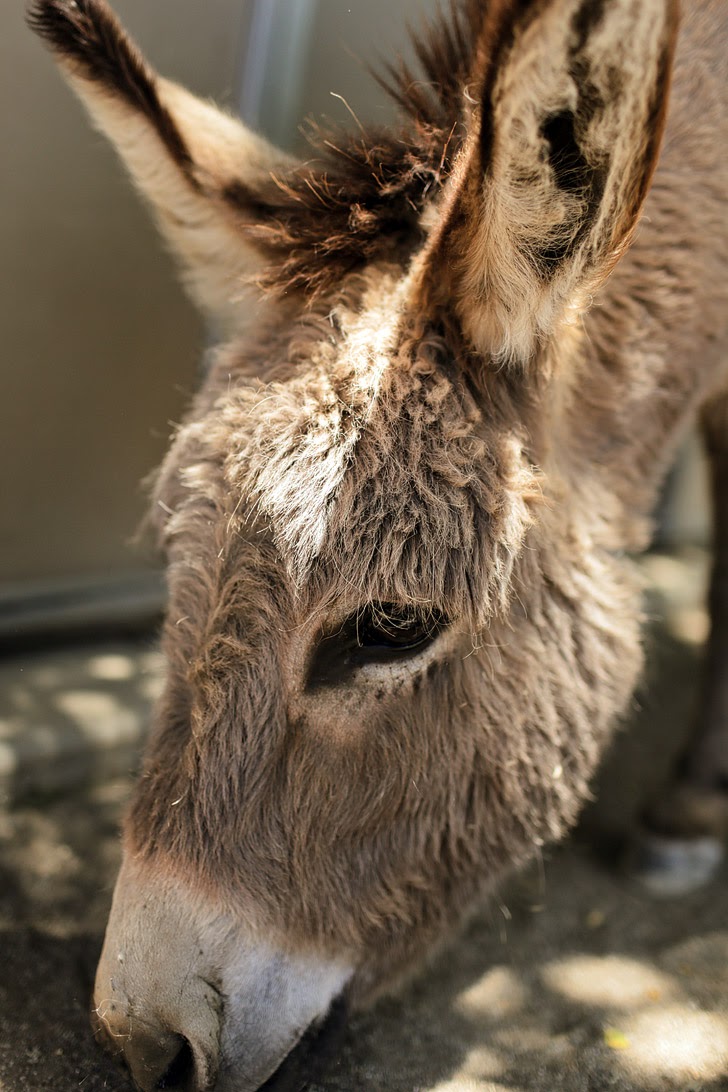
(100, 349)
(347, 36)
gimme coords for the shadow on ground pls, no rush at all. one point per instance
(593, 987)
(570, 980)
(74, 715)
(57, 864)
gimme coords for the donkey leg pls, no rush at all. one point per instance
(687, 829)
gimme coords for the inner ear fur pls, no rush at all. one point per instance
(568, 108)
(183, 154)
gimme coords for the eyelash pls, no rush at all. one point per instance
(377, 633)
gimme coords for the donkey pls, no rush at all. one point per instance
(402, 621)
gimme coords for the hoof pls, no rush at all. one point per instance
(670, 867)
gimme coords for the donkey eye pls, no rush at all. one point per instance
(393, 629)
(379, 633)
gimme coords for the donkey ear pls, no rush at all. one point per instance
(562, 143)
(183, 154)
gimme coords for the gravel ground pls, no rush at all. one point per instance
(571, 980)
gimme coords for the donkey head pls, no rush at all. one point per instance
(398, 632)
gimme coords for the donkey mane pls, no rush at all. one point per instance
(360, 197)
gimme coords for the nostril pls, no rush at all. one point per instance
(179, 1076)
(164, 1061)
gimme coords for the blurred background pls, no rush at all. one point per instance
(102, 350)
(102, 354)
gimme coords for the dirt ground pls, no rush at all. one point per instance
(572, 979)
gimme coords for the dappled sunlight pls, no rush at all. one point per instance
(652, 1026)
(626, 1015)
(523, 1037)
(74, 715)
(676, 1041)
(559, 1002)
(97, 714)
(464, 1084)
(8, 761)
(58, 863)
(487, 1017)
(112, 667)
(496, 995)
(607, 980)
(571, 980)
(601, 988)
(482, 1062)
(678, 588)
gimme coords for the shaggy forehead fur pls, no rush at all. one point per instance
(371, 460)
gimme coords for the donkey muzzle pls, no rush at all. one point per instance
(195, 1002)
(157, 1057)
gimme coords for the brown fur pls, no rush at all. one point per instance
(91, 38)
(449, 411)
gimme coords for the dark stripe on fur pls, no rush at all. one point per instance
(362, 200)
(657, 115)
(586, 19)
(573, 173)
(87, 33)
(570, 167)
(496, 38)
(361, 204)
